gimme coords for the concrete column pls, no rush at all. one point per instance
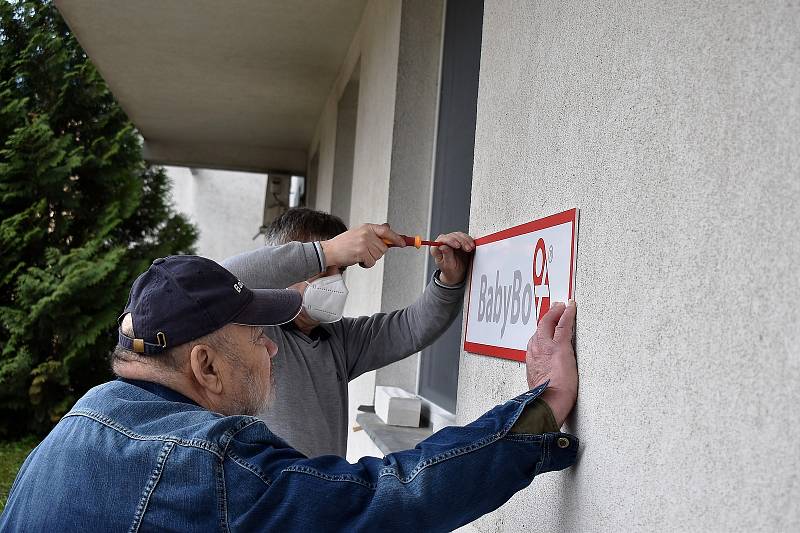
(346, 120)
(411, 175)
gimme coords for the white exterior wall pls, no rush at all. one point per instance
(371, 166)
(376, 44)
(227, 208)
(396, 50)
(674, 128)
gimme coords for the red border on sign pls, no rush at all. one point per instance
(529, 227)
(495, 351)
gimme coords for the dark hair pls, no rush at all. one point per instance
(304, 225)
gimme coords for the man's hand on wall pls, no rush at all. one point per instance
(362, 245)
(453, 257)
(550, 356)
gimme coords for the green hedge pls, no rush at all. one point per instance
(12, 455)
(81, 215)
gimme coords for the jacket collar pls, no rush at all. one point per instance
(159, 390)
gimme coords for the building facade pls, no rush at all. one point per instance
(673, 127)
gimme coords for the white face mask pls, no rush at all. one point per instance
(324, 299)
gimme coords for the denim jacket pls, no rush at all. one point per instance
(136, 456)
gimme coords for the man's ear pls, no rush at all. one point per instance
(205, 367)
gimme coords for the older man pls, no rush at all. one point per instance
(322, 351)
(168, 446)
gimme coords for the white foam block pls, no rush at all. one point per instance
(397, 407)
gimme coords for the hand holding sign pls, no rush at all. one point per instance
(453, 257)
(550, 356)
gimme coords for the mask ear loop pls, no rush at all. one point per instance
(300, 310)
(303, 303)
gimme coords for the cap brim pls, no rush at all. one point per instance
(270, 307)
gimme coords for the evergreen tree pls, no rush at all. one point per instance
(81, 215)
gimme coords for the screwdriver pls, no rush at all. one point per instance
(415, 241)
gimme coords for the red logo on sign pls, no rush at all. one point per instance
(541, 280)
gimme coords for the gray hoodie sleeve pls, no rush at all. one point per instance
(375, 341)
(277, 267)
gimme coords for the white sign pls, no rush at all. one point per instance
(516, 274)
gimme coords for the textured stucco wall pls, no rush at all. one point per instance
(342, 182)
(373, 148)
(413, 144)
(371, 166)
(320, 164)
(674, 127)
(394, 57)
(227, 208)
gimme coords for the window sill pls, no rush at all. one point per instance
(391, 439)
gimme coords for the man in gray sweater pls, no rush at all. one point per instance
(319, 352)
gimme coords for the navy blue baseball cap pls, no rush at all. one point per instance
(184, 297)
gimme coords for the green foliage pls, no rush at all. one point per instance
(81, 215)
(12, 455)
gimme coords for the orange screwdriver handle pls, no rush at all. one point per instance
(415, 241)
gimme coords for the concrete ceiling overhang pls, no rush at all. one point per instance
(236, 84)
